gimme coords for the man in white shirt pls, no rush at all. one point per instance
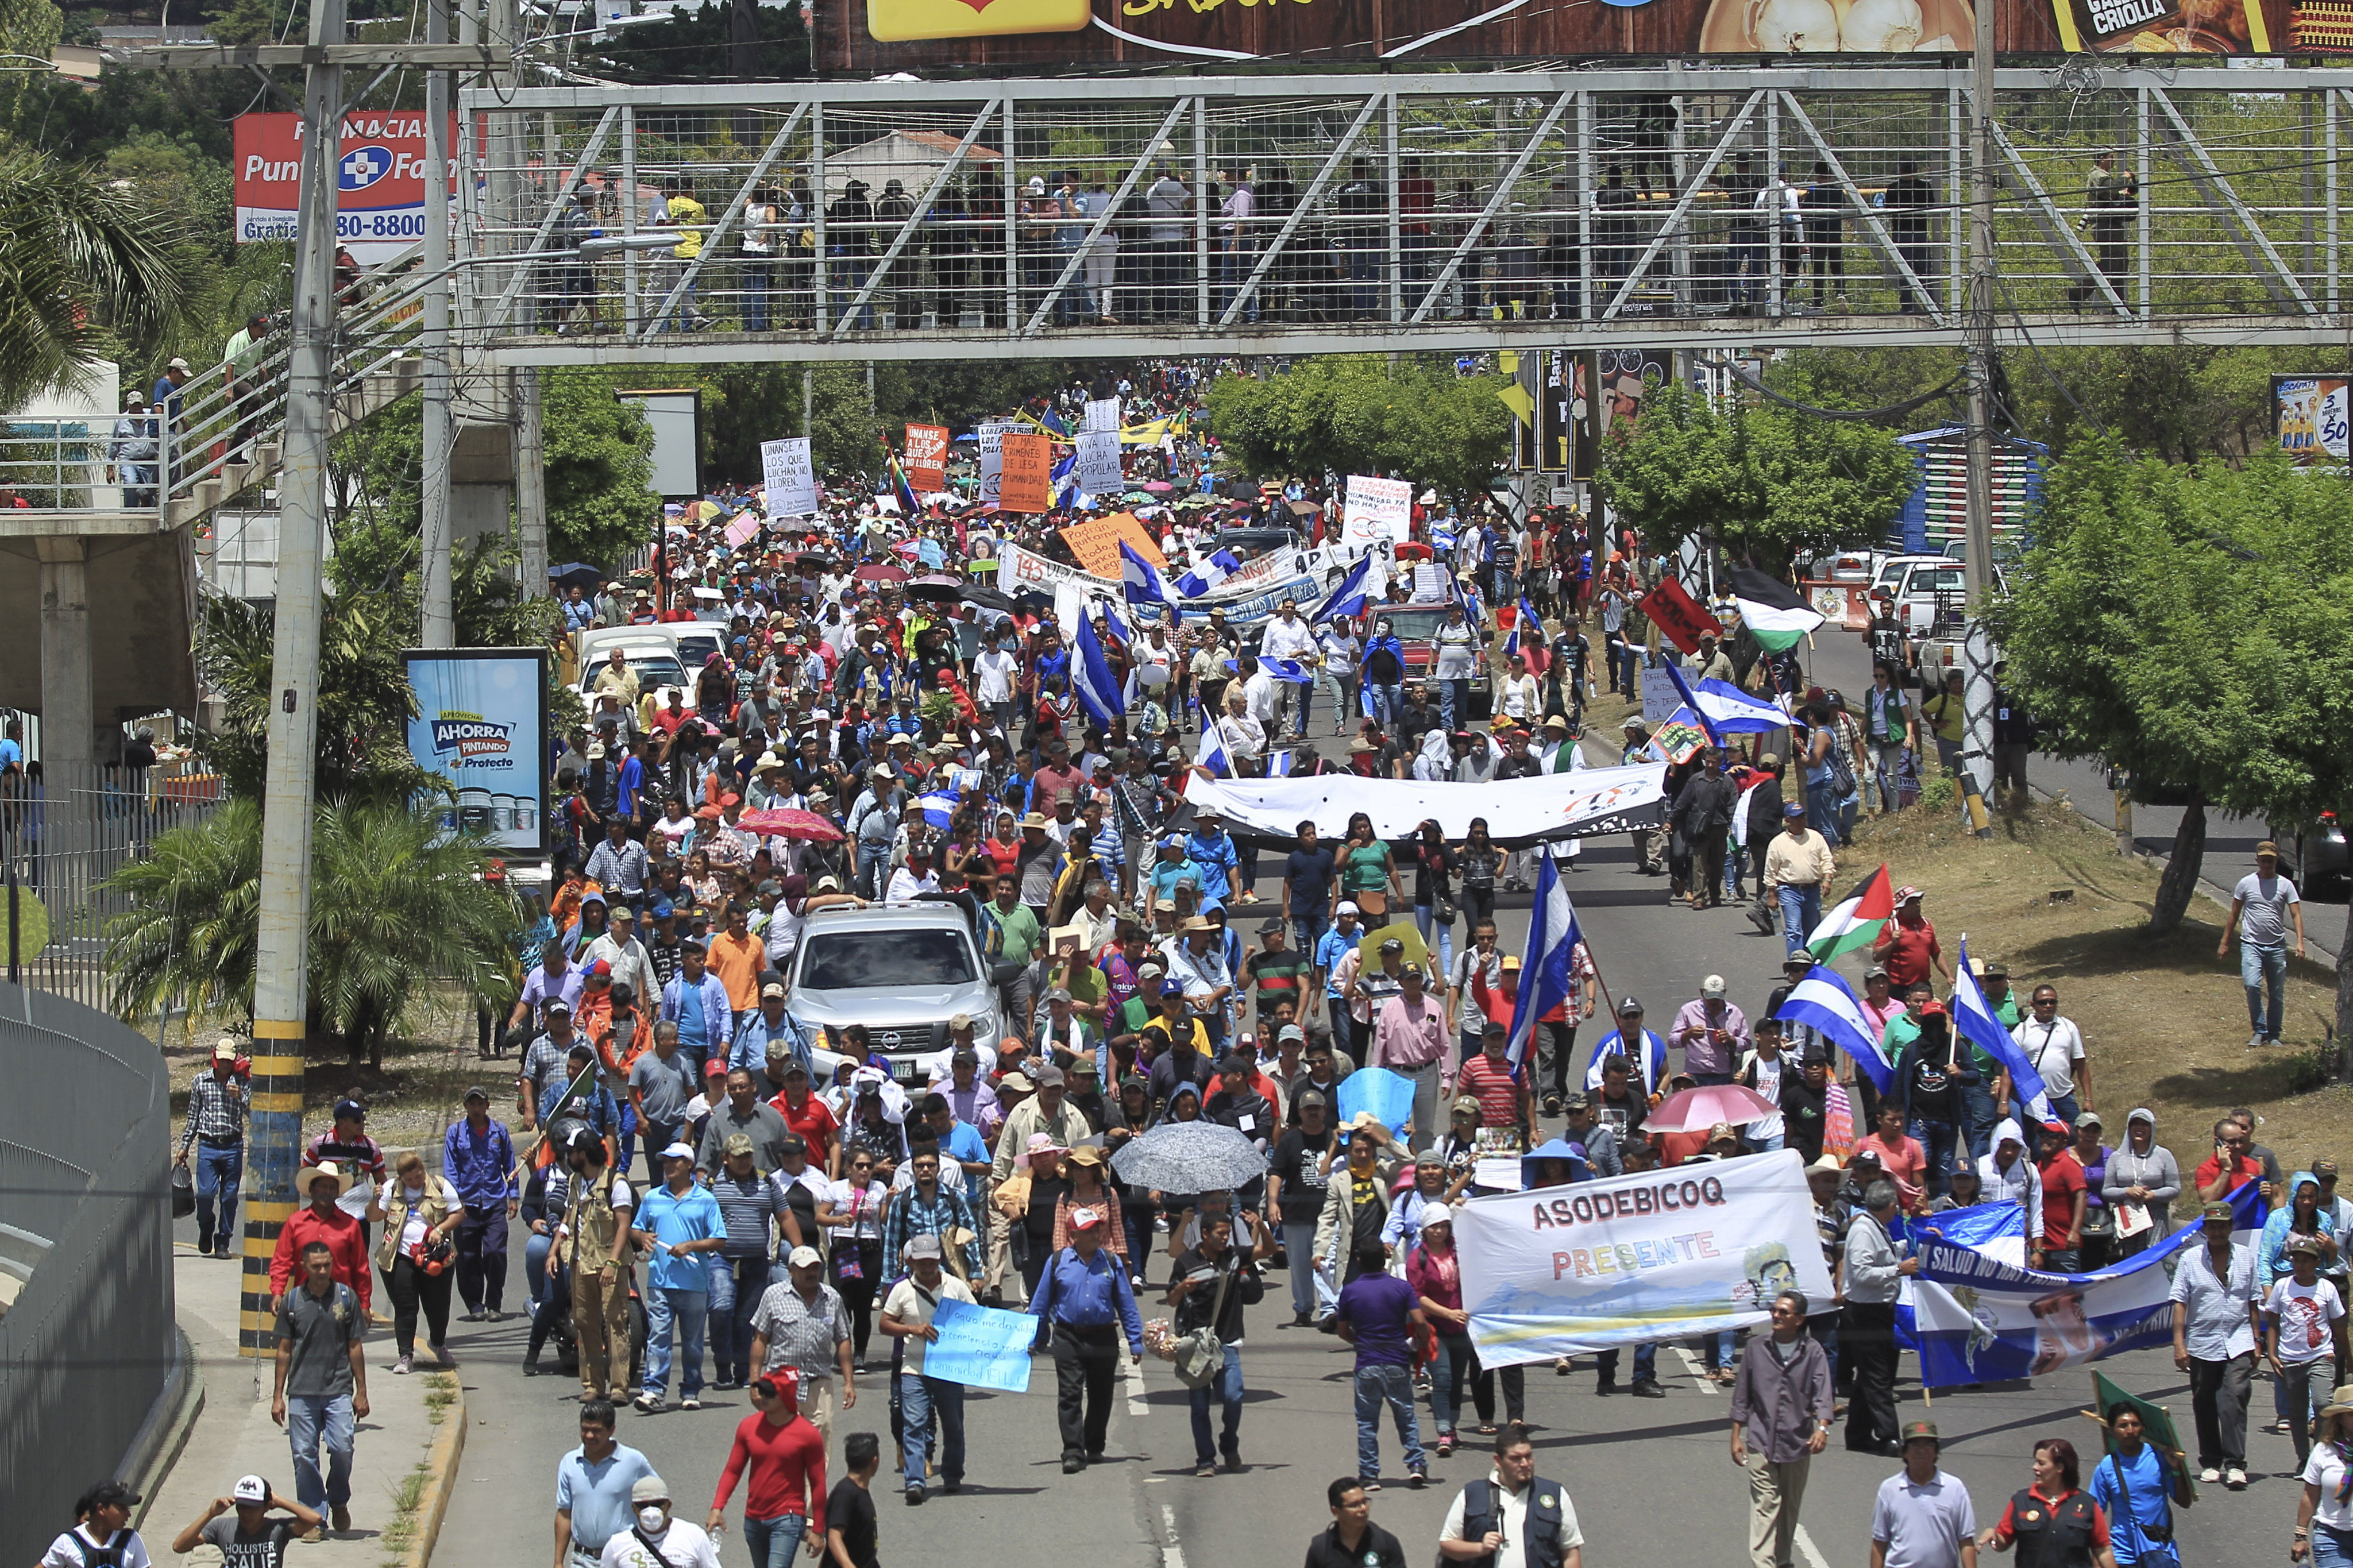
(1512, 1520)
(916, 877)
(1263, 696)
(2055, 1045)
(1289, 636)
(907, 1314)
(994, 671)
(632, 965)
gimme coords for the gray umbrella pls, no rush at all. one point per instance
(1189, 1157)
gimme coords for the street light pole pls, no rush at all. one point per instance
(439, 624)
(281, 957)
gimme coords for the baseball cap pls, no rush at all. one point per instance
(926, 1246)
(224, 1052)
(772, 989)
(679, 1151)
(1308, 1097)
(2218, 1211)
(737, 1143)
(1922, 1430)
(1712, 988)
(1050, 1076)
(1630, 1006)
(649, 1489)
(1291, 1032)
(965, 1057)
(1085, 1218)
(805, 1257)
(960, 1021)
(252, 1489)
(1392, 944)
(348, 1108)
(476, 1091)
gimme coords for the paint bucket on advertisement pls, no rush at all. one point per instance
(502, 811)
(474, 806)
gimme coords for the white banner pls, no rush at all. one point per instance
(789, 476)
(1628, 1260)
(1550, 806)
(1099, 473)
(1251, 594)
(1102, 414)
(992, 457)
(1376, 510)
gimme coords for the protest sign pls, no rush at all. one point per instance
(981, 1347)
(743, 528)
(1657, 1255)
(992, 457)
(1099, 470)
(1387, 1095)
(1376, 510)
(789, 476)
(1101, 413)
(927, 458)
(1025, 482)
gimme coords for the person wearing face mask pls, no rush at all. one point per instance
(655, 1539)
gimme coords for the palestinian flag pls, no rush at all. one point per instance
(1775, 614)
(1856, 920)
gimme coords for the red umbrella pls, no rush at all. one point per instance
(790, 822)
(880, 572)
(1697, 1109)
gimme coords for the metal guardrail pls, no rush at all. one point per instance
(87, 1348)
(60, 842)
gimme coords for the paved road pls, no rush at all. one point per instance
(1651, 1479)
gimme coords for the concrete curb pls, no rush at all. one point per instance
(441, 1482)
(177, 1422)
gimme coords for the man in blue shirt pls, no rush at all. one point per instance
(1330, 948)
(696, 1001)
(1085, 1299)
(592, 1488)
(680, 1221)
(1377, 1313)
(479, 1159)
(1212, 851)
(1644, 1051)
(960, 1141)
(2132, 1483)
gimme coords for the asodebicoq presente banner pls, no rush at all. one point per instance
(482, 725)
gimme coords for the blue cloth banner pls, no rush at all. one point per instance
(981, 1347)
(1978, 1319)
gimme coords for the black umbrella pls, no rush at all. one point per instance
(990, 599)
(941, 586)
(572, 572)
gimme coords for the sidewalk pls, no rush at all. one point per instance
(234, 1436)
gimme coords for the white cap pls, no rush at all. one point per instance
(804, 1258)
(1712, 988)
(678, 1151)
(252, 1489)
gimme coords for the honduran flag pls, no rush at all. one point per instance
(1857, 920)
(1201, 579)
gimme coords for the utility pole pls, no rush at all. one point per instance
(439, 629)
(283, 953)
(530, 482)
(1977, 692)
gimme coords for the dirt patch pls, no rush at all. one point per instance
(411, 1101)
(2164, 1019)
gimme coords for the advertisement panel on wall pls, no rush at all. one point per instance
(481, 726)
(2311, 413)
(891, 35)
(379, 179)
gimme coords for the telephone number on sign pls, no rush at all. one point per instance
(380, 226)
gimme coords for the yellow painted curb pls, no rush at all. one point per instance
(440, 1481)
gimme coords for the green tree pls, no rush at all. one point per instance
(1355, 414)
(85, 268)
(1766, 481)
(364, 700)
(396, 903)
(2194, 626)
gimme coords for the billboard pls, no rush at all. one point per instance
(2311, 413)
(894, 35)
(379, 179)
(481, 727)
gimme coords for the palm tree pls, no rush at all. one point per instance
(80, 264)
(396, 902)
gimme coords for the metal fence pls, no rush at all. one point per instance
(87, 1350)
(60, 839)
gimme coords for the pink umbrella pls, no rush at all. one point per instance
(790, 822)
(1697, 1109)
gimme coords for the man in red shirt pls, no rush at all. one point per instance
(1904, 1160)
(323, 1221)
(1907, 945)
(784, 1453)
(2230, 1167)
(1500, 1086)
(2059, 1248)
(805, 1114)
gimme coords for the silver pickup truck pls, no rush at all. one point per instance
(902, 970)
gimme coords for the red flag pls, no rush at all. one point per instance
(1679, 618)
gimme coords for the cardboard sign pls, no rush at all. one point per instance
(1099, 469)
(789, 476)
(1378, 509)
(1025, 481)
(992, 434)
(1679, 618)
(1095, 543)
(927, 458)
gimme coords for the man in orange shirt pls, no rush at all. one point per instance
(1904, 1160)
(737, 957)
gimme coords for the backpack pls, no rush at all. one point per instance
(1201, 1355)
(1842, 780)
